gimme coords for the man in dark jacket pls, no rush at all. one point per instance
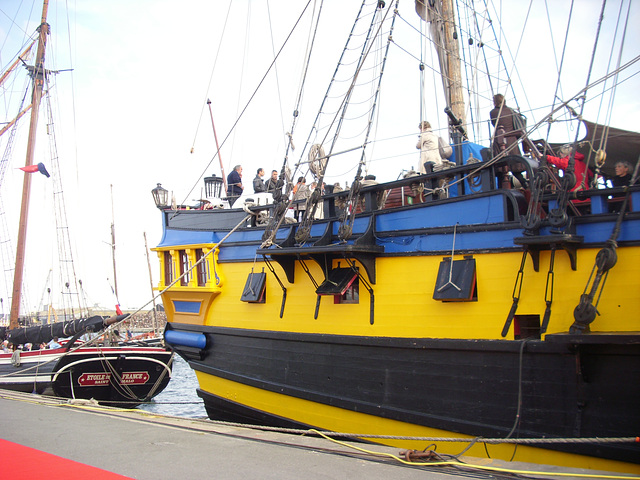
(234, 184)
(272, 182)
(258, 184)
(505, 139)
(505, 135)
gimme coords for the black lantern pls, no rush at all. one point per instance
(160, 196)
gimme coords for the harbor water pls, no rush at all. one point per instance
(179, 398)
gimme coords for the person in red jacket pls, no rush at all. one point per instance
(580, 169)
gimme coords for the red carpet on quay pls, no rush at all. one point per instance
(22, 463)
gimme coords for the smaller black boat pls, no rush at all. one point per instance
(126, 374)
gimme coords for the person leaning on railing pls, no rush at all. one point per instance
(234, 184)
(505, 139)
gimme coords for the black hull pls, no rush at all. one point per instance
(117, 376)
(39, 388)
(569, 386)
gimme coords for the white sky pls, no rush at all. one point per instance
(135, 102)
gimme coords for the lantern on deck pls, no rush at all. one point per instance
(160, 196)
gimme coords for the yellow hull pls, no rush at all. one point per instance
(345, 421)
(404, 306)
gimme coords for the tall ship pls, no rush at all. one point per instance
(492, 293)
(66, 349)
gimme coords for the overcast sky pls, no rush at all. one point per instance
(135, 104)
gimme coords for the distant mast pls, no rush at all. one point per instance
(37, 75)
(113, 248)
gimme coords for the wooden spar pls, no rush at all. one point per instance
(4, 77)
(14, 64)
(12, 122)
(455, 100)
(224, 177)
(38, 81)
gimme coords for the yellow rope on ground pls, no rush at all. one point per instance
(97, 408)
(466, 465)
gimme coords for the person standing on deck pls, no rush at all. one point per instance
(300, 194)
(234, 184)
(505, 137)
(428, 146)
(258, 184)
(271, 184)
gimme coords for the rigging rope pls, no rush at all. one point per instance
(273, 51)
(284, 201)
(68, 278)
(303, 78)
(215, 62)
(304, 231)
(558, 215)
(604, 137)
(558, 87)
(347, 217)
(467, 64)
(8, 248)
(262, 80)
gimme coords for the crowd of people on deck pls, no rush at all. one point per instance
(507, 136)
(301, 191)
(435, 154)
(8, 347)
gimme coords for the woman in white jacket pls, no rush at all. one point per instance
(428, 146)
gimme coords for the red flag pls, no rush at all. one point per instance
(30, 168)
(36, 168)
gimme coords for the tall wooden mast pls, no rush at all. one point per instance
(38, 75)
(454, 80)
(441, 17)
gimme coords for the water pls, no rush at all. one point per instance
(179, 399)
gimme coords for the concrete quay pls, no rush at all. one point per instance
(140, 445)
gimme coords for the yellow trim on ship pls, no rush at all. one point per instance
(404, 304)
(191, 290)
(336, 419)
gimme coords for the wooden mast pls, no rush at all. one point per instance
(456, 100)
(442, 17)
(153, 298)
(38, 75)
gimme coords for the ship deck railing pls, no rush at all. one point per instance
(461, 181)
